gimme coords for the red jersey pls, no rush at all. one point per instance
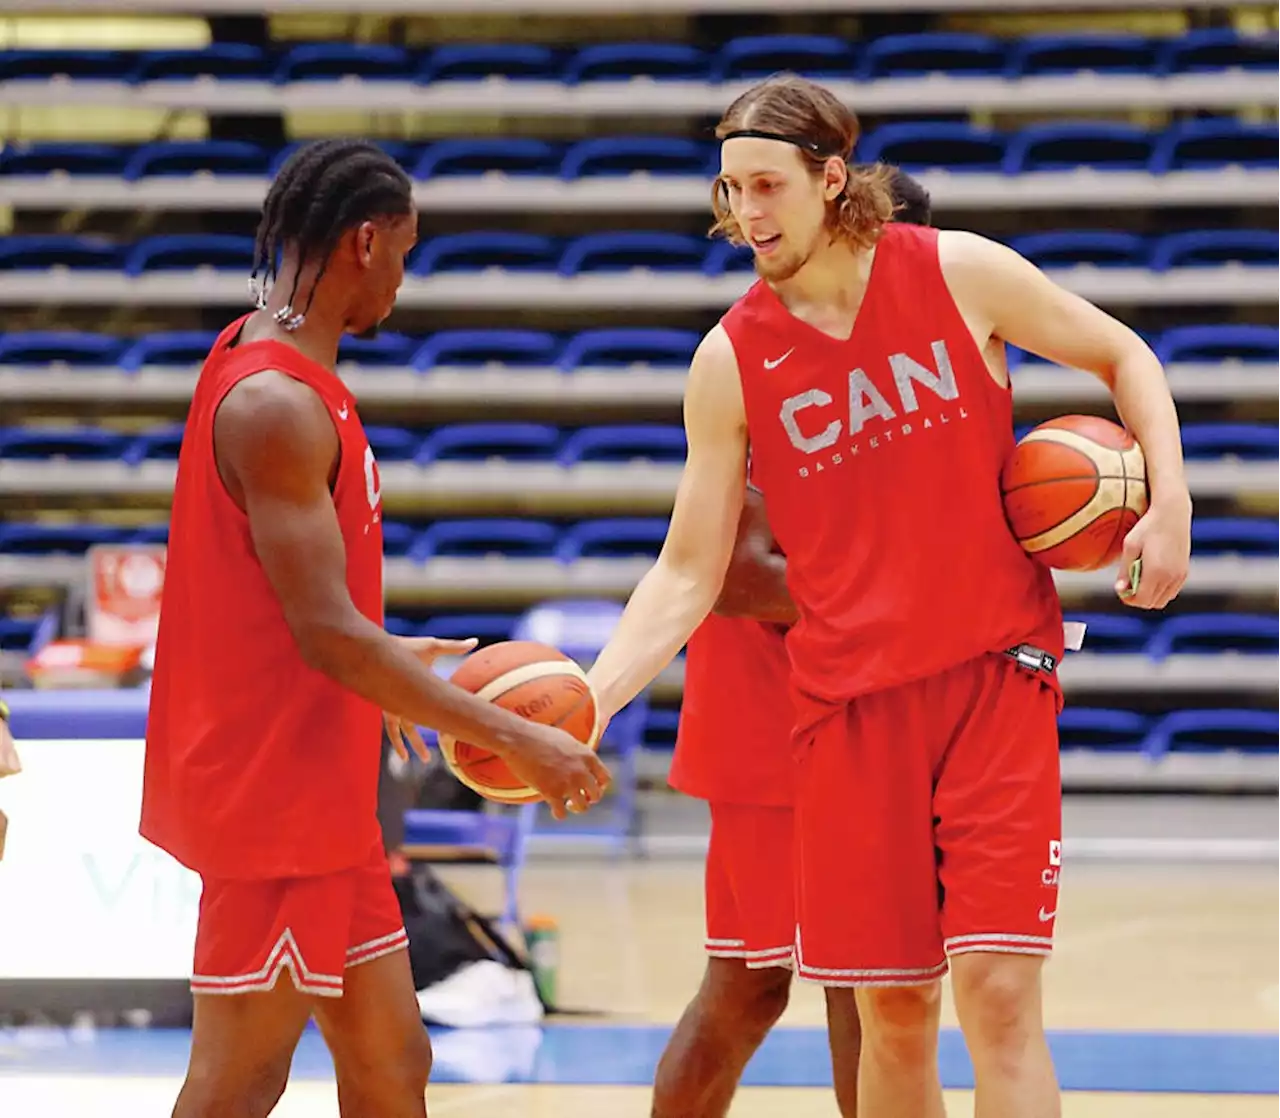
(879, 458)
(257, 765)
(733, 744)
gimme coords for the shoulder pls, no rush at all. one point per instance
(716, 350)
(967, 253)
(272, 419)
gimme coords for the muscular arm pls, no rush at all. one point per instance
(679, 590)
(755, 584)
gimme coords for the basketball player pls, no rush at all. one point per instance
(927, 787)
(272, 667)
(733, 750)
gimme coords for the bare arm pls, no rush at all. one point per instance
(1001, 294)
(276, 446)
(755, 585)
(679, 590)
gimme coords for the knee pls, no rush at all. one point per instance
(216, 1090)
(998, 997)
(901, 1021)
(747, 1001)
(399, 1070)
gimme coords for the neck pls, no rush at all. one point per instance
(835, 275)
(322, 327)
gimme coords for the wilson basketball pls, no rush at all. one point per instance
(1072, 490)
(532, 680)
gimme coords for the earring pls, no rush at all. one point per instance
(258, 292)
(288, 319)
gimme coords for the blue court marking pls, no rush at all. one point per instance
(624, 1055)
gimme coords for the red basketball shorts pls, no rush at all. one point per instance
(928, 820)
(313, 927)
(750, 885)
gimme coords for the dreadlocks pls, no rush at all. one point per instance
(321, 191)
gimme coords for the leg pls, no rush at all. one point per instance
(898, 1073)
(844, 1033)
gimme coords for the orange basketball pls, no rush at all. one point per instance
(1072, 490)
(532, 680)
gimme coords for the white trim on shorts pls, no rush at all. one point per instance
(875, 976)
(999, 943)
(755, 960)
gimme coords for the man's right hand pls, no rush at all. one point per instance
(568, 774)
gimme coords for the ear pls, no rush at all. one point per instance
(365, 233)
(835, 173)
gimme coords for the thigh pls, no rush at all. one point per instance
(999, 813)
(753, 850)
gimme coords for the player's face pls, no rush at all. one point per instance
(778, 204)
(382, 247)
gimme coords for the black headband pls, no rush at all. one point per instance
(802, 142)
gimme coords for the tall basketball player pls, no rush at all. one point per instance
(734, 750)
(927, 775)
(273, 667)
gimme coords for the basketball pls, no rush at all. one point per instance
(532, 680)
(1073, 488)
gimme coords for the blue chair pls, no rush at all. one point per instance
(403, 154)
(157, 532)
(173, 349)
(78, 65)
(1100, 248)
(393, 444)
(59, 347)
(1234, 535)
(310, 62)
(388, 350)
(1228, 342)
(918, 146)
(33, 538)
(629, 347)
(475, 539)
(1037, 55)
(661, 729)
(757, 56)
(1197, 145)
(1066, 145)
(1114, 632)
(517, 155)
(932, 52)
(158, 444)
(724, 256)
(397, 541)
(624, 61)
(630, 155)
(224, 61)
(1211, 49)
(1204, 633)
(67, 159)
(473, 252)
(1253, 441)
(1207, 248)
(613, 538)
(470, 348)
(215, 157)
(76, 443)
(480, 61)
(1100, 728)
(399, 626)
(479, 442)
(1214, 731)
(42, 252)
(486, 627)
(628, 442)
(623, 251)
(26, 635)
(189, 251)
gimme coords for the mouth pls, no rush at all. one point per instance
(764, 245)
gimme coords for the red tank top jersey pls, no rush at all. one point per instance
(879, 458)
(257, 765)
(733, 744)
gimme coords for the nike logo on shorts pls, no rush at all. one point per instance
(1045, 917)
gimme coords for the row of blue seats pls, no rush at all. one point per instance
(1188, 145)
(519, 442)
(598, 348)
(524, 538)
(594, 253)
(739, 58)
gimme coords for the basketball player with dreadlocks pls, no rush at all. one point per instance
(273, 672)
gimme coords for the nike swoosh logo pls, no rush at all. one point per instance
(779, 360)
(342, 412)
(1045, 917)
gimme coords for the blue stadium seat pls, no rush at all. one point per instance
(157, 532)
(83, 443)
(20, 634)
(622, 251)
(932, 52)
(1234, 535)
(724, 256)
(757, 56)
(399, 626)
(1116, 53)
(80, 65)
(1064, 146)
(40, 252)
(625, 442)
(59, 347)
(486, 627)
(474, 539)
(1212, 731)
(474, 252)
(1203, 248)
(185, 251)
(28, 538)
(1114, 632)
(404, 154)
(511, 348)
(336, 61)
(183, 157)
(1228, 342)
(1101, 728)
(157, 444)
(478, 61)
(1102, 248)
(1206, 633)
(625, 347)
(388, 350)
(1254, 441)
(661, 728)
(1193, 145)
(916, 146)
(69, 159)
(172, 348)
(622, 61)
(628, 155)
(479, 442)
(1217, 49)
(217, 60)
(397, 541)
(393, 444)
(516, 155)
(622, 537)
